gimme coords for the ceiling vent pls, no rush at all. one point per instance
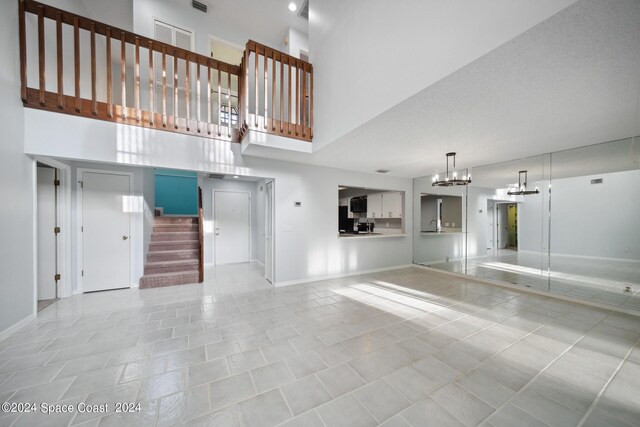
(215, 176)
(304, 10)
(383, 171)
(596, 181)
(200, 6)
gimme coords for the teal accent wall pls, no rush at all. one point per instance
(176, 192)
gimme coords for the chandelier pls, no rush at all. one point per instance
(448, 181)
(522, 186)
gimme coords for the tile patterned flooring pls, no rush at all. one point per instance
(600, 280)
(406, 347)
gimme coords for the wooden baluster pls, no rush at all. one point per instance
(290, 79)
(137, 77)
(123, 73)
(109, 101)
(297, 96)
(76, 56)
(176, 106)
(246, 84)
(94, 101)
(208, 98)
(229, 103)
(310, 102)
(255, 79)
(164, 86)
(304, 101)
(41, 50)
(273, 91)
(151, 84)
(60, 67)
(198, 94)
(22, 35)
(219, 100)
(281, 94)
(187, 94)
(266, 98)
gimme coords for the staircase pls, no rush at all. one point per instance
(174, 253)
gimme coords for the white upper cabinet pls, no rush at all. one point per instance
(374, 205)
(392, 205)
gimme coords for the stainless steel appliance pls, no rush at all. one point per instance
(358, 204)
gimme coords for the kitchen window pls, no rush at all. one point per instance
(370, 212)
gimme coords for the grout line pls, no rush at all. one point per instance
(536, 376)
(601, 393)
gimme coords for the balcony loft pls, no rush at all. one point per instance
(74, 65)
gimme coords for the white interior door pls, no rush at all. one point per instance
(46, 237)
(232, 226)
(105, 231)
(268, 235)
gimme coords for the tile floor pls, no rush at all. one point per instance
(602, 281)
(407, 347)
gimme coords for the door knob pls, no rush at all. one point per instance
(125, 237)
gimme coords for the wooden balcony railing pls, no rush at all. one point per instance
(277, 93)
(90, 69)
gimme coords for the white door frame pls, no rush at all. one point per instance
(273, 228)
(213, 216)
(79, 258)
(64, 221)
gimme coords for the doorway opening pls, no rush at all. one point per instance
(48, 229)
(239, 214)
(504, 227)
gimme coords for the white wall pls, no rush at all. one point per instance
(208, 185)
(149, 202)
(360, 38)
(298, 41)
(17, 172)
(261, 190)
(586, 220)
(306, 242)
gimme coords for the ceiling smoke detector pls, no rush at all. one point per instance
(304, 10)
(202, 7)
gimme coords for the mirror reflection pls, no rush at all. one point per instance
(565, 222)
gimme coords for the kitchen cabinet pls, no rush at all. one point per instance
(374, 205)
(384, 205)
(392, 205)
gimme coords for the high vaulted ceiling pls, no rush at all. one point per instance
(570, 81)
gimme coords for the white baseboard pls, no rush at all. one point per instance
(597, 258)
(257, 261)
(339, 275)
(15, 327)
(534, 291)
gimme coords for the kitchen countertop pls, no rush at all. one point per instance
(368, 235)
(428, 233)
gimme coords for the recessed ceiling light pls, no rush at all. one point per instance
(293, 7)
(235, 177)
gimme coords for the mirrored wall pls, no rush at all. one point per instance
(566, 222)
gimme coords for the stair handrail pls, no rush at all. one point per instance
(200, 237)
